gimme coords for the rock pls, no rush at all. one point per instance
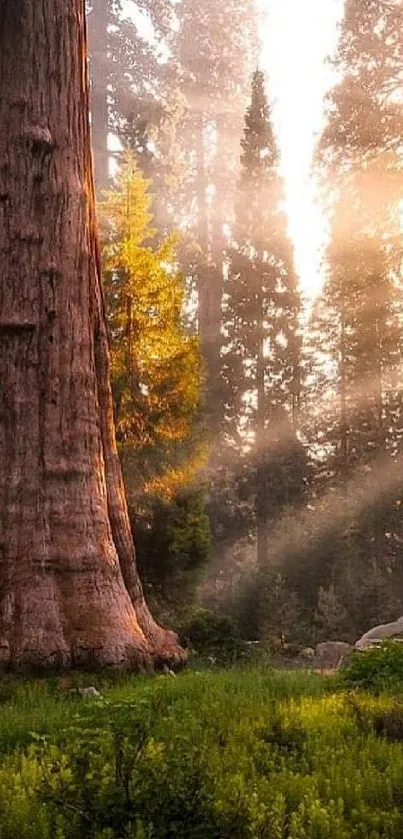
(380, 633)
(91, 691)
(330, 655)
(308, 653)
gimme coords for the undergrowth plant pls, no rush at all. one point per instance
(378, 668)
(235, 754)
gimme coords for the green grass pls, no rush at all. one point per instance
(235, 754)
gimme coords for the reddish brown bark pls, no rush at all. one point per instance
(69, 588)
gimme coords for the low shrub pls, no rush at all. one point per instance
(377, 668)
(213, 636)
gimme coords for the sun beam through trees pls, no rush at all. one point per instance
(201, 419)
(292, 285)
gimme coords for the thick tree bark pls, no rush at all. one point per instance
(69, 590)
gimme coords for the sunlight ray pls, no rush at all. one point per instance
(297, 40)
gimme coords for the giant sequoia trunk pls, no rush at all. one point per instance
(69, 589)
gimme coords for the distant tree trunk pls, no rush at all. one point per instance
(225, 186)
(210, 281)
(204, 262)
(98, 43)
(69, 590)
(343, 400)
(261, 441)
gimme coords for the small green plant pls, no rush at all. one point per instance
(377, 669)
(384, 719)
(213, 636)
(221, 754)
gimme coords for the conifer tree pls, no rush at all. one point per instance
(261, 359)
(360, 333)
(156, 368)
(156, 382)
(128, 82)
(179, 102)
(216, 49)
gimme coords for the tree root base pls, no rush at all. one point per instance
(136, 658)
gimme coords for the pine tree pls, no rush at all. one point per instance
(128, 81)
(360, 334)
(179, 103)
(261, 360)
(156, 381)
(216, 50)
(156, 367)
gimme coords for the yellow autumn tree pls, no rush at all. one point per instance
(156, 366)
(156, 380)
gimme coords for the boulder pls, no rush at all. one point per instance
(383, 632)
(91, 691)
(330, 654)
(308, 654)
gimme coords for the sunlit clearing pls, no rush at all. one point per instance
(297, 39)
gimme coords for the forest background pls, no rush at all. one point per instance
(260, 433)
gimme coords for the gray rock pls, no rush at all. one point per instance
(91, 691)
(330, 655)
(380, 633)
(308, 653)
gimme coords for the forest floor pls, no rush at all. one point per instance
(224, 754)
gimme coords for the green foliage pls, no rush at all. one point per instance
(330, 614)
(377, 668)
(354, 396)
(156, 368)
(261, 359)
(212, 635)
(223, 755)
(383, 718)
(278, 606)
(266, 606)
(173, 542)
(156, 382)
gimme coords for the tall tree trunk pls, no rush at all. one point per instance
(204, 262)
(69, 589)
(210, 281)
(225, 180)
(261, 446)
(343, 399)
(98, 43)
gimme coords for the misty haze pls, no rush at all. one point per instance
(201, 419)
